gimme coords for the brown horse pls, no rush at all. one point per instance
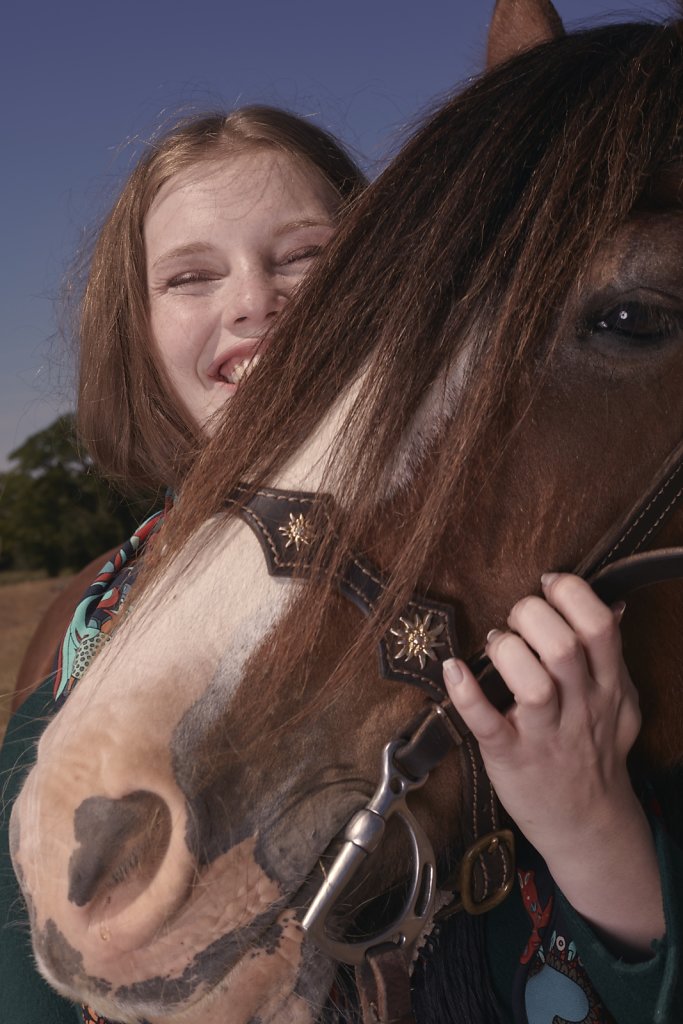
(483, 375)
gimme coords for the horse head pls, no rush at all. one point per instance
(483, 376)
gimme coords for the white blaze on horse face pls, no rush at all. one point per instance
(311, 464)
(239, 604)
(312, 467)
(129, 728)
(438, 405)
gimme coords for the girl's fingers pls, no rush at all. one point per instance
(557, 645)
(490, 728)
(595, 625)
(575, 636)
(535, 692)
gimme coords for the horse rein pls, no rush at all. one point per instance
(286, 528)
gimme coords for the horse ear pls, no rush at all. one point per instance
(518, 25)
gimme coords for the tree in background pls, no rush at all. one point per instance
(55, 512)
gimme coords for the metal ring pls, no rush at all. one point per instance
(363, 835)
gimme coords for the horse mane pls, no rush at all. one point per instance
(468, 242)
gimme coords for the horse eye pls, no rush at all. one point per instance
(636, 323)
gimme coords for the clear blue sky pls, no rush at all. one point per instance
(83, 79)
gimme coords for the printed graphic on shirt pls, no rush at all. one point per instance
(539, 914)
(556, 988)
(551, 995)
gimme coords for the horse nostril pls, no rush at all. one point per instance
(118, 840)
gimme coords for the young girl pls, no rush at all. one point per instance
(210, 237)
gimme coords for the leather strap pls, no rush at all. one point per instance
(492, 866)
(290, 527)
(643, 521)
(429, 738)
(490, 870)
(616, 567)
(383, 981)
(623, 577)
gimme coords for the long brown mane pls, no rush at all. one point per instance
(483, 219)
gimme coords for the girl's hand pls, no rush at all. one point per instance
(557, 758)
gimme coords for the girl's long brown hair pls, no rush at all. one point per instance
(130, 419)
(483, 219)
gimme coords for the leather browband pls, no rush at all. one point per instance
(289, 526)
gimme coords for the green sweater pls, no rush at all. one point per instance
(24, 997)
(572, 958)
(642, 993)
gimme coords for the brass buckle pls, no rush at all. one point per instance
(487, 844)
(464, 900)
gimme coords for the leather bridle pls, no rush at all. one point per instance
(412, 651)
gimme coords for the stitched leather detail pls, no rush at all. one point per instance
(641, 522)
(289, 527)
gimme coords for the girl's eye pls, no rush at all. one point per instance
(189, 277)
(301, 255)
(636, 323)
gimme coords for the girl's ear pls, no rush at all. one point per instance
(519, 25)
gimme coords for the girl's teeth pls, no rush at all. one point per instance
(251, 364)
(238, 371)
(243, 369)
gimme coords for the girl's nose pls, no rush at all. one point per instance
(254, 301)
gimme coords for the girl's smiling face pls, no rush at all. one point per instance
(226, 243)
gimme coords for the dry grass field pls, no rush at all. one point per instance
(22, 605)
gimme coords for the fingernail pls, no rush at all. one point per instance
(492, 634)
(618, 610)
(549, 577)
(452, 672)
